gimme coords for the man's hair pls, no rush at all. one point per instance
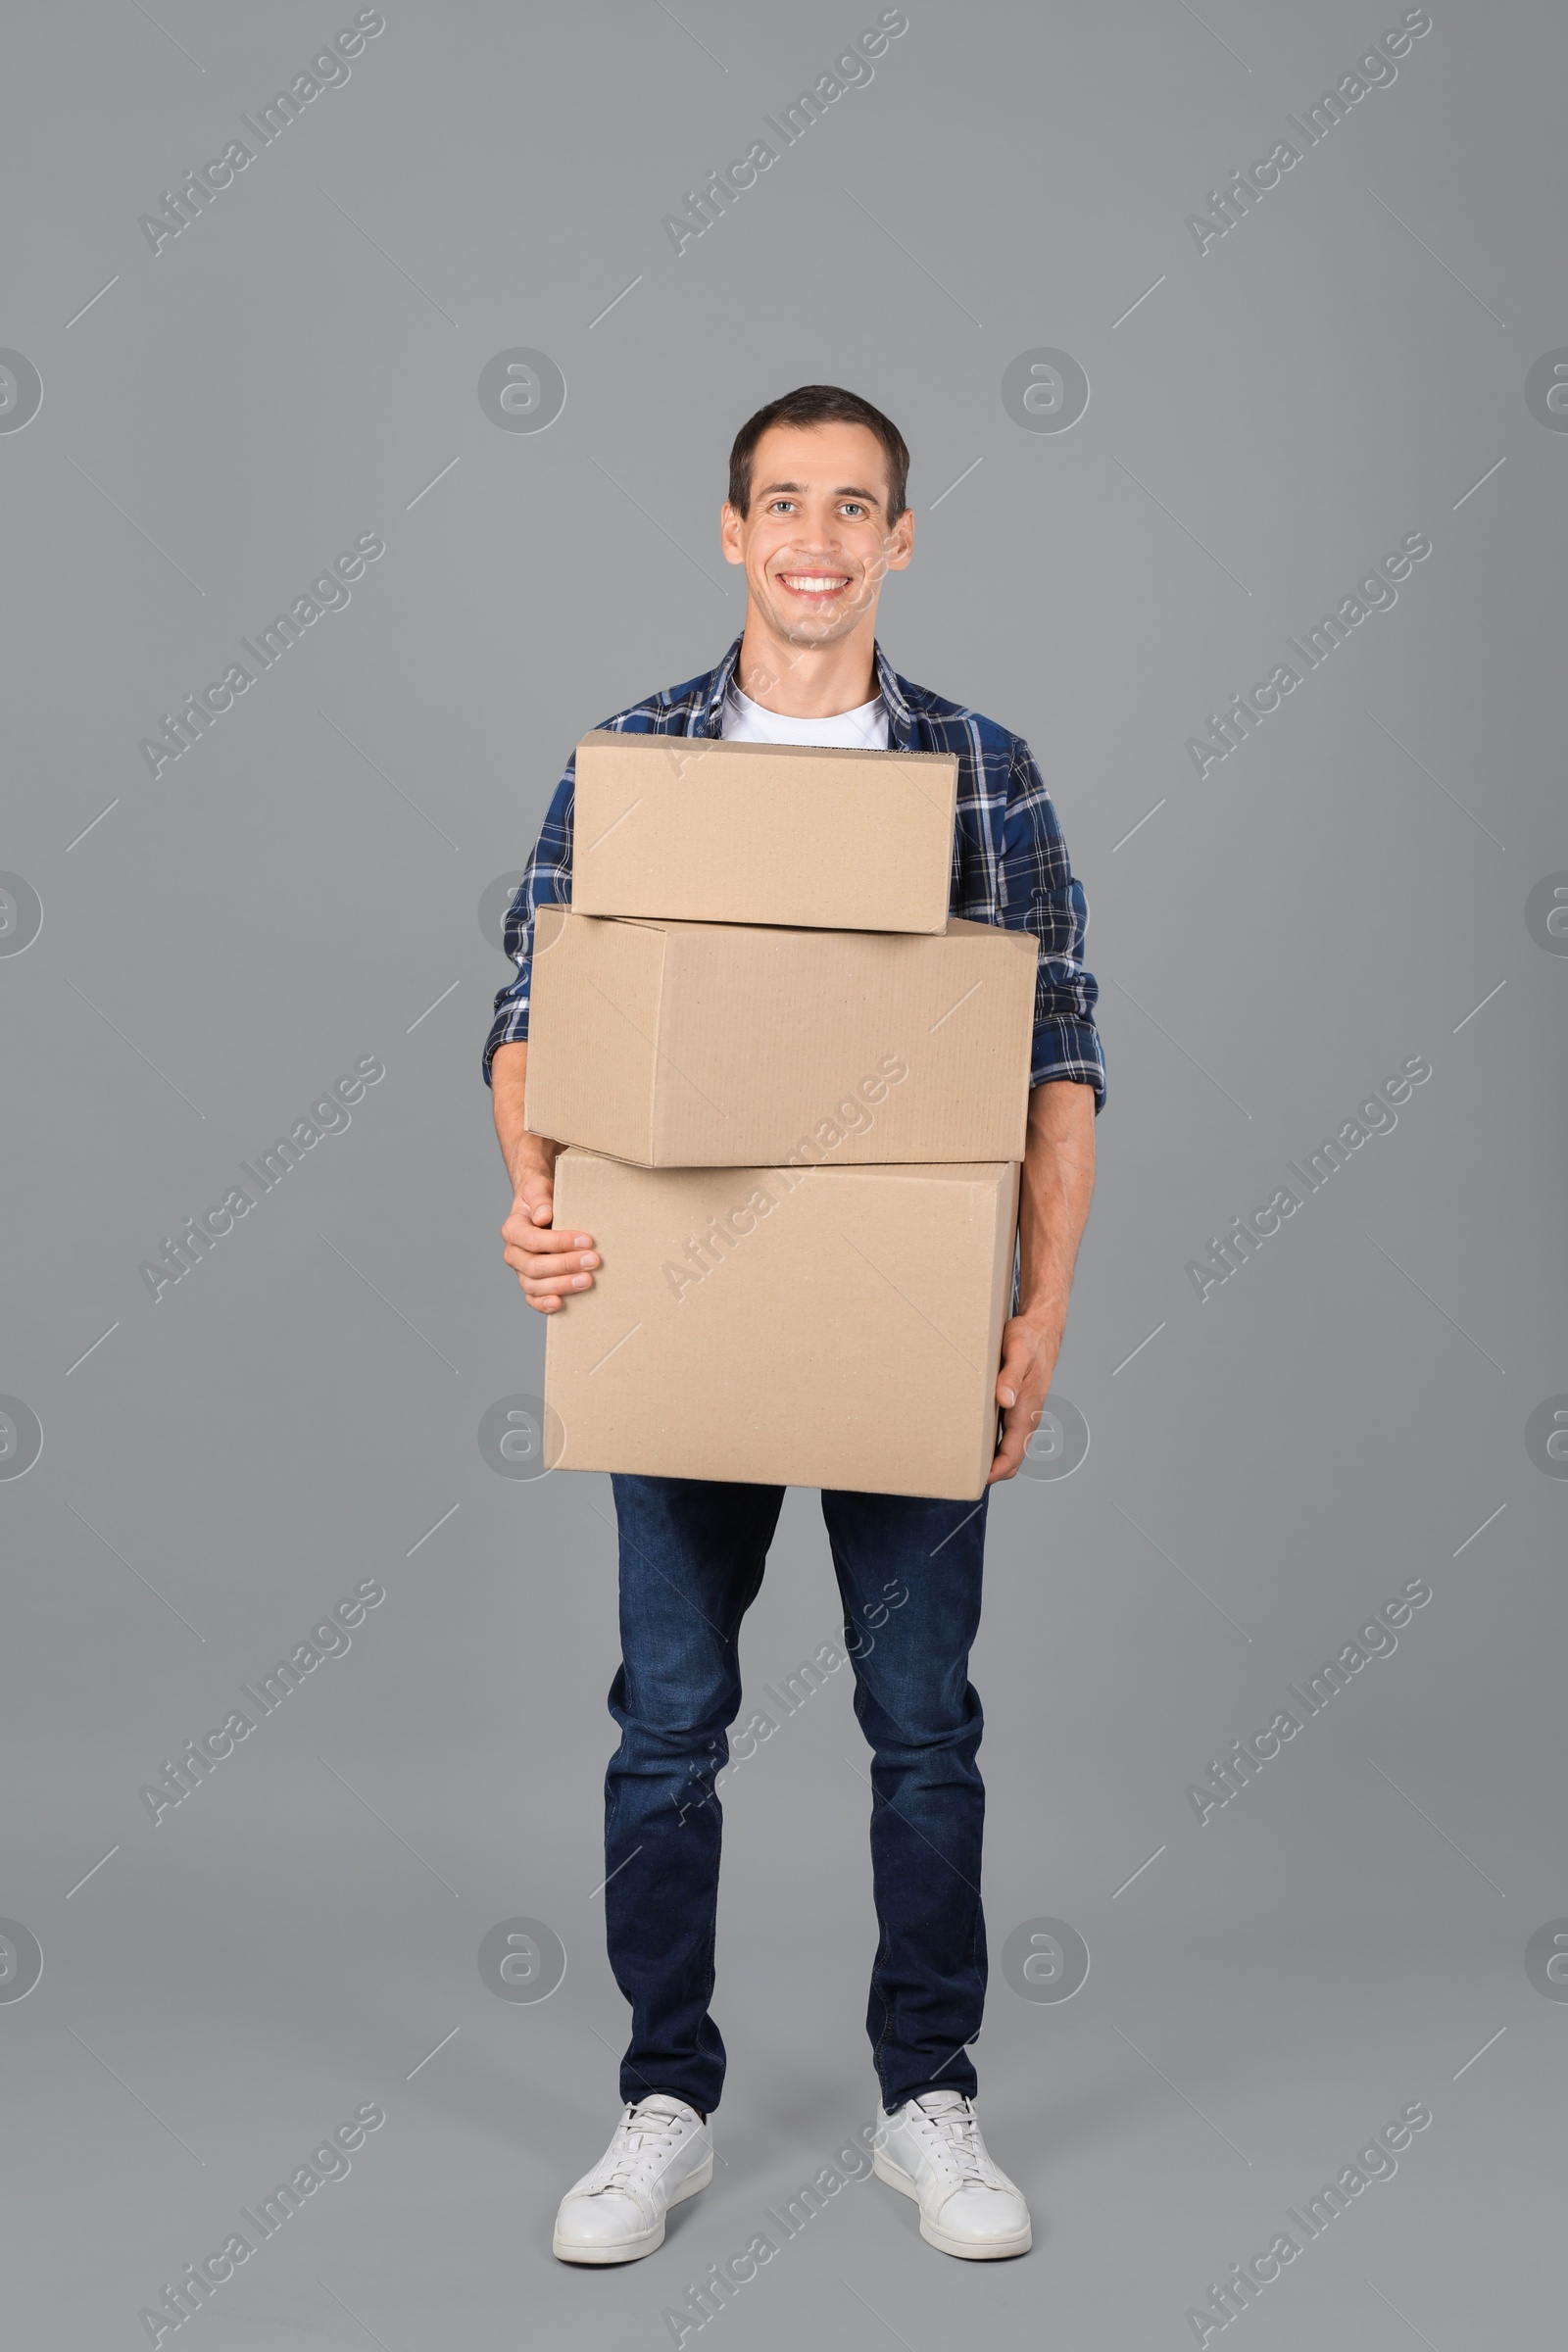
(820, 403)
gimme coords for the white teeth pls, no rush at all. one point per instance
(813, 584)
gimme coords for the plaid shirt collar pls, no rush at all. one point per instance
(897, 694)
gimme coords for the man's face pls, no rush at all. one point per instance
(816, 543)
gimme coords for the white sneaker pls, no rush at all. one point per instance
(932, 2150)
(661, 2152)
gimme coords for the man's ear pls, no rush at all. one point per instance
(730, 527)
(898, 543)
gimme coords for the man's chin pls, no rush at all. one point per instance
(818, 628)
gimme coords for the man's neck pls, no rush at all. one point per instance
(812, 681)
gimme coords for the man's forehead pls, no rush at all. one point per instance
(848, 461)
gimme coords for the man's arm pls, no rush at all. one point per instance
(1055, 1193)
(547, 1263)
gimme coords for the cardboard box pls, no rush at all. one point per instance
(845, 1331)
(718, 832)
(716, 1045)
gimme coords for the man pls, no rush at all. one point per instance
(817, 517)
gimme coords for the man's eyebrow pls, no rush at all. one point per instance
(845, 490)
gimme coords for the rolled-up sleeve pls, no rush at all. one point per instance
(547, 883)
(1039, 892)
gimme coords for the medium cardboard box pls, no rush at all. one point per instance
(717, 1044)
(718, 832)
(827, 1327)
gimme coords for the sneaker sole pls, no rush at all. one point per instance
(631, 2249)
(967, 2249)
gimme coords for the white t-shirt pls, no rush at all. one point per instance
(745, 721)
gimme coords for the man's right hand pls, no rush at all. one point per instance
(549, 1265)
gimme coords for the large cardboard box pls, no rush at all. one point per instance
(717, 1044)
(718, 832)
(831, 1327)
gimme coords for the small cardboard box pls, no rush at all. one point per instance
(716, 1045)
(827, 1327)
(717, 832)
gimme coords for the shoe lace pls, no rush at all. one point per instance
(643, 2144)
(958, 2131)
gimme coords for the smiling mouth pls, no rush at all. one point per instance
(815, 584)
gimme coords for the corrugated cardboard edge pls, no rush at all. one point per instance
(633, 1141)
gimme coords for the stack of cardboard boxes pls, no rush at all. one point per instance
(795, 1095)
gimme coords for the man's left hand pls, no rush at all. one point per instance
(1029, 1353)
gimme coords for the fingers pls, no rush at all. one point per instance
(1021, 1394)
(549, 1265)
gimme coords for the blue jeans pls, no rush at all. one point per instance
(692, 1552)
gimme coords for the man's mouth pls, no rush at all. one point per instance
(813, 584)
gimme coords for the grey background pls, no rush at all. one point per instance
(296, 368)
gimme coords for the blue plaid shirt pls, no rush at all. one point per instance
(1010, 860)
